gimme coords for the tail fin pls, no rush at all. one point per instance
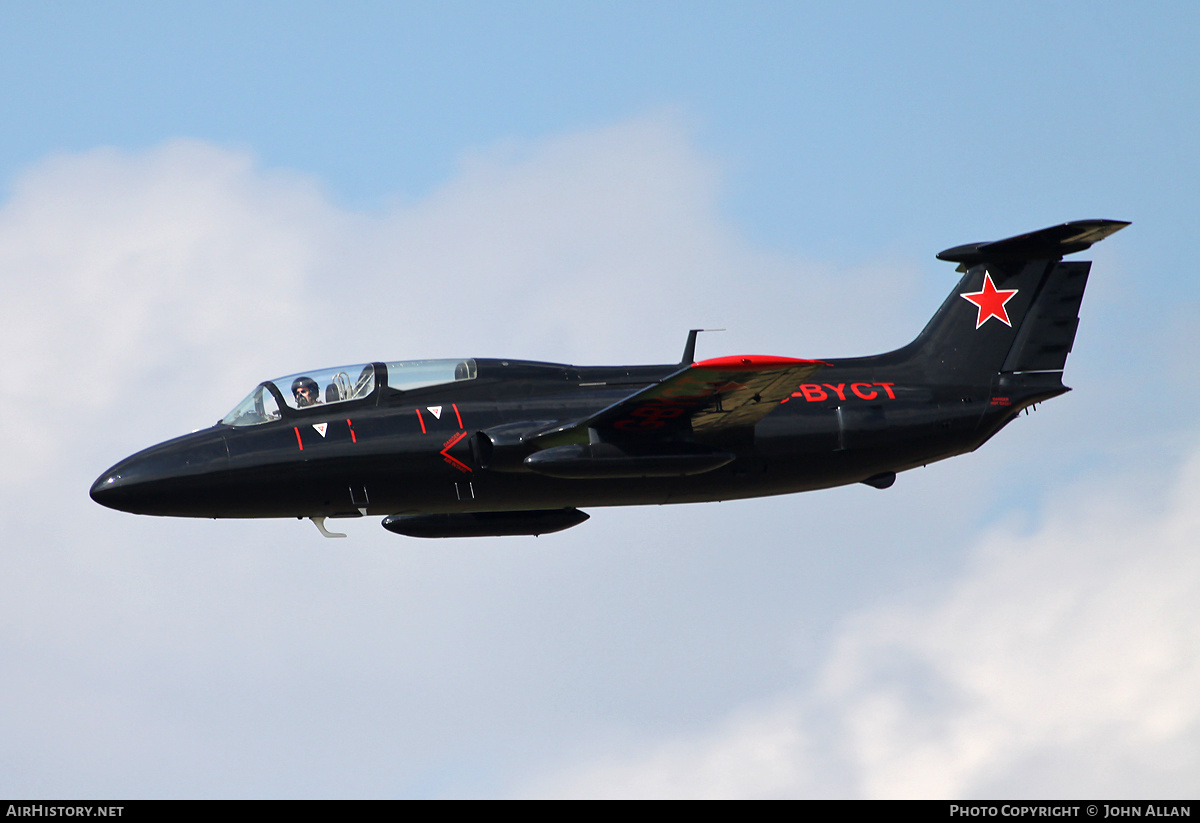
(1016, 308)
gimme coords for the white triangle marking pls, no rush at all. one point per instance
(321, 427)
(436, 411)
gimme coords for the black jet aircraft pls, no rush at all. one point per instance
(458, 448)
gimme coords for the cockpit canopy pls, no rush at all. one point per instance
(342, 384)
(406, 375)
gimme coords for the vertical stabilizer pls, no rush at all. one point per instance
(1016, 308)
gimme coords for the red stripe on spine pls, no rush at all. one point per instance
(752, 362)
(422, 420)
(353, 439)
(456, 414)
(296, 429)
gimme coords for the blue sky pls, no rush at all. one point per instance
(189, 193)
(917, 103)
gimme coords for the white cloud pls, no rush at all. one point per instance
(179, 276)
(129, 275)
(1076, 641)
(1060, 663)
(147, 292)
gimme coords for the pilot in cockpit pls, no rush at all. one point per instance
(307, 392)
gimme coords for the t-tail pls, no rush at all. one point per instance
(1014, 312)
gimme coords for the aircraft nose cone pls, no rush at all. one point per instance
(164, 479)
(121, 487)
(105, 489)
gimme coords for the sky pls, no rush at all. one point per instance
(197, 197)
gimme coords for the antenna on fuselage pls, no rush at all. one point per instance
(689, 349)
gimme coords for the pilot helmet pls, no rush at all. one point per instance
(310, 388)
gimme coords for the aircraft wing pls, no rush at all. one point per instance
(704, 398)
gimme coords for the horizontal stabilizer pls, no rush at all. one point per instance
(1051, 243)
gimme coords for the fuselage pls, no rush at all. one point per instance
(417, 451)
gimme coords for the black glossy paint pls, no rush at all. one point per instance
(854, 420)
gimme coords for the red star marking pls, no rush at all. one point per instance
(990, 302)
